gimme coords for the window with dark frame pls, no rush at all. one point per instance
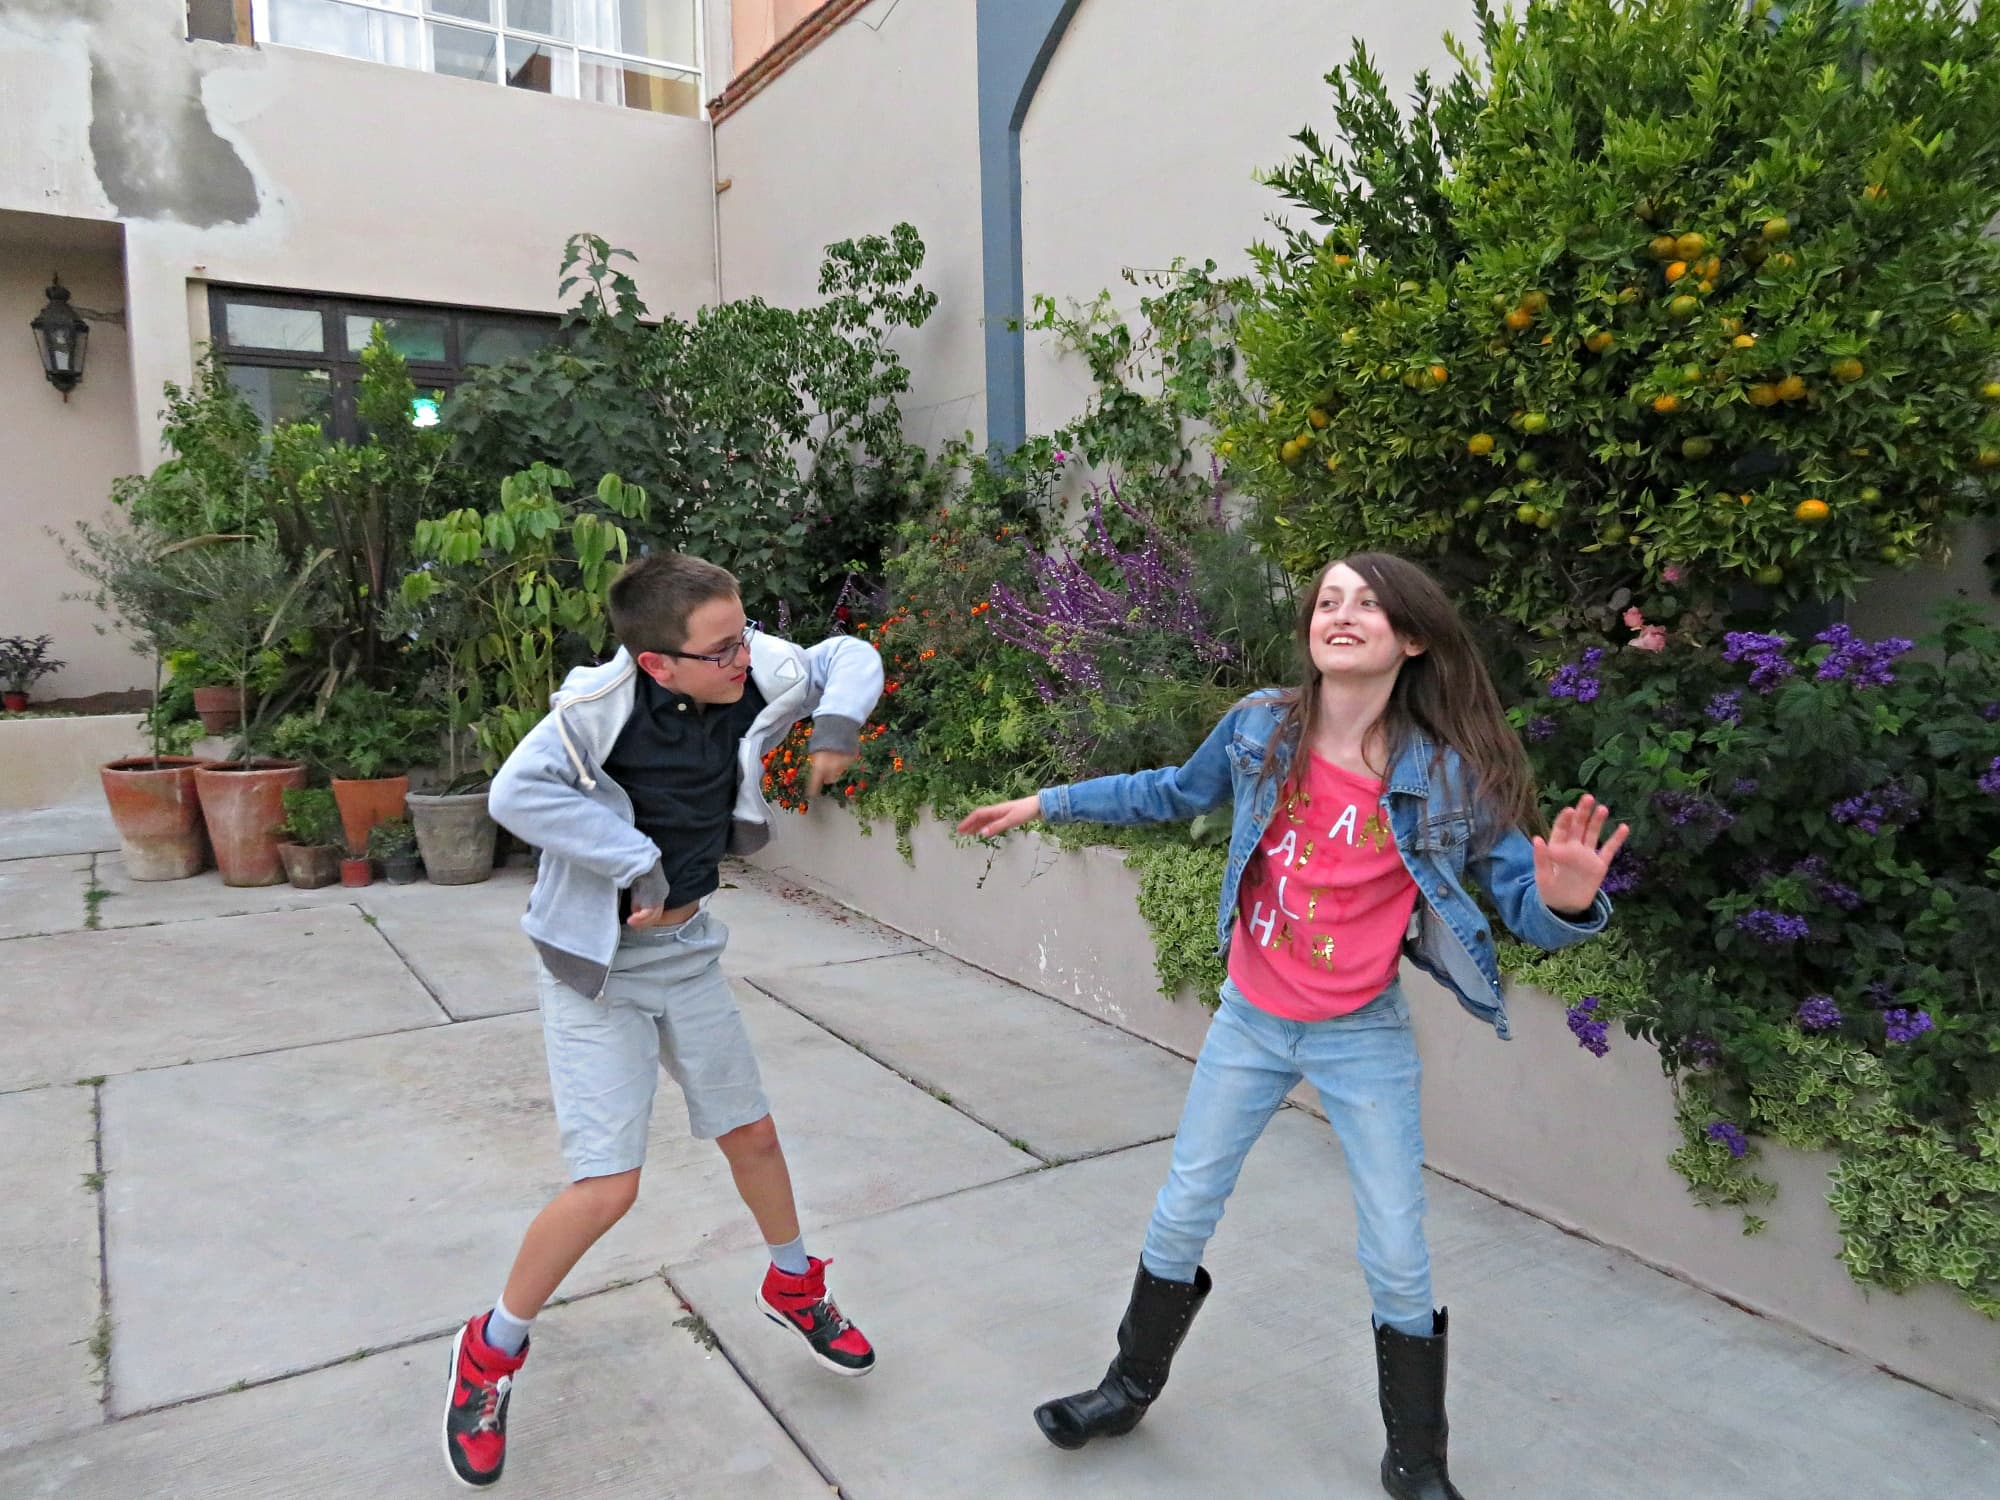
(297, 358)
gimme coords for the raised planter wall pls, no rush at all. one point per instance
(1577, 1140)
(53, 762)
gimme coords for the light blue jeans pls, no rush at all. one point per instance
(1365, 1067)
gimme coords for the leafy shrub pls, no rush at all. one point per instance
(311, 817)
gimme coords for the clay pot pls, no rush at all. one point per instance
(455, 836)
(402, 869)
(220, 708)
(363, 804)
(310, 866)
(158, 814)
(243, 804)
(14, 702)
(357, 872)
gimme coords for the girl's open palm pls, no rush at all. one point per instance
(1570, 863)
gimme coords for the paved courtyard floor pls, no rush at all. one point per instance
(262, 1150)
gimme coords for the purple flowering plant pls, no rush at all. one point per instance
(1815, 848)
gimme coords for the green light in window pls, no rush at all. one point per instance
(424, 412)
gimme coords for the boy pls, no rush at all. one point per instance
(645, 772)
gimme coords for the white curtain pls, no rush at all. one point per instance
(598, 27)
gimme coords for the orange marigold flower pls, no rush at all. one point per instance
(850, 791)
(897, 763)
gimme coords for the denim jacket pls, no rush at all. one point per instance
(1450, 938)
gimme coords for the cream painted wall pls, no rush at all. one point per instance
(57, 458)
(364, 179)
(1152, 118)
(868, 128)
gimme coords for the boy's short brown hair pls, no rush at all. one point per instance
(652, 597)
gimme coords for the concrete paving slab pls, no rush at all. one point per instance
(1575, 1371)
(270, 1213)
(84, 1003)
(1033, 1069)
(70, 828)
(464, 941)
(775, 925)
(48, 1266)
(616, 1404)
(146, 903)
(43, 895)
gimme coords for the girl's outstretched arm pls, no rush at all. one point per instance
(1172, 794)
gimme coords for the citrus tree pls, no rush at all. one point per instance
(1685, 299)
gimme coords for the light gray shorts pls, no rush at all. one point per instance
(665, 1002)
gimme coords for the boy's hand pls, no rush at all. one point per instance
(997, 818)
(827, 767)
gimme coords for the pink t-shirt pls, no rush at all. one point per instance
(1324, 903)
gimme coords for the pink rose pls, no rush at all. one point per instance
(1651, 638)
(1672, 573)
(1633, 619)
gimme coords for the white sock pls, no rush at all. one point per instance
(506, 1332)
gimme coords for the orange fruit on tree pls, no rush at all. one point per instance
(1519, 318)
(1535, 301)
(1342, 260)
(1662, 247)
(1600, 341)
(1682, 308)
(1763, 394)
(1847, 370)
(1870, 495)
(1527, 514)
(1439, 374)
(1777, 228)
(1874, 192)
(1666, 405)
(1792, 388)
(1990, 391)
(1784, 260)
(1770, 575)
(1710, 268)
(1690, 245)
(1479, 444)
(1812, 512)
(1318, 417)
(1696, 447)
(1333, 464)
(1987, 458)
(1744, 341)
(1676, 270)
(1534, 421)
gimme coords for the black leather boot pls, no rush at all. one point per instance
(1410, 1371)
(1156, 1320)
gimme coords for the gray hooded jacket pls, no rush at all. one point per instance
(553, 794)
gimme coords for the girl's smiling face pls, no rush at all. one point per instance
(1350, 636)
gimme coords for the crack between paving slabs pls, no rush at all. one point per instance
(950, 1103)
(100, 1335)
(715, 1341)
(373, 922)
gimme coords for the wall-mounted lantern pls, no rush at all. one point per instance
(62, 337)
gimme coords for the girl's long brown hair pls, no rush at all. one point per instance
(1445, 694)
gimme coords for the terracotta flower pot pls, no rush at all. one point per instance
(456, 837)
(363, 804)
(310, 866)
(356, 872)
(220, 708)
(14, 702)
(158, 814)
(243, 803)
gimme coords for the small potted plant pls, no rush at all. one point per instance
(23, 663)
(311, 845)
(456, 835)
(364, 740)
(394, 845)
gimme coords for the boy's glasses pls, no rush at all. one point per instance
(720, 658)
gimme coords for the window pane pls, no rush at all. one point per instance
(413, 338)
(489, 343)
(465, 54)
(541, 66)
(646, 28)
(327, 26)
(549, 17)
(299, 329)
(285, 395)
(665, 91)
(465, 10)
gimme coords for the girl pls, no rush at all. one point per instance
(1368, 800)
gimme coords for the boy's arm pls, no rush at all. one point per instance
(1170, 795)
(539, 798)
(844, 681)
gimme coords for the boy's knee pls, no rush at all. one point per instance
(748, 1142)
(610, 1198)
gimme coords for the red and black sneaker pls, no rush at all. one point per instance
(475, 1412)
(801, 1304)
